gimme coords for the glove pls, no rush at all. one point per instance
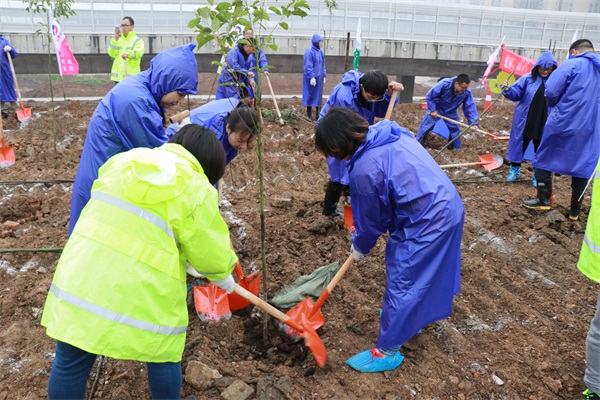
(192, 271)
(313, 82)
(184, 122)
(357, 254)
(226, 284)
(7, 48)
(324, 80)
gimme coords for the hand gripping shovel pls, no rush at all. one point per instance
(310, 311)
(251, 283)
(348, 219)
(304, 329)
(487, 161)
(7, 154)
(24, 114)
(275, 101)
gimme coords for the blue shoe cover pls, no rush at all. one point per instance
(373, 361)
(514, 173)
(533, 181)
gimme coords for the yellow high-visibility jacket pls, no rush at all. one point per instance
(134, 46)
(589, 257)
(119, 289)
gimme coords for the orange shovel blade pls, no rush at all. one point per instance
(7, 155)
(349, 219)
(303, 309)
(490, 161)
(252, 284)
(314, 343)
(211, 303)
(24, 113)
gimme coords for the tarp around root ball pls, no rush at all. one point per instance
(307, 285)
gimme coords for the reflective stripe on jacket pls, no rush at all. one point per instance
(119, 289)
(134, 46)
(589, 257)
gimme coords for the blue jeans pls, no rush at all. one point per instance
(72, 366)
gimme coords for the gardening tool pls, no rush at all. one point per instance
(212, 303)
(179, 116)
(24, 114)
(348, 218)
(495, 137)
(310, 311)
(251, 283)
(275, 101)
(488, 161)
(304, 329)
(7, 154)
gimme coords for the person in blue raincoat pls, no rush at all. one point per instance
(314, 76)
(368, 95)
(398, 188)
(132, 115)
(444, 99)
(236, 78)
(257, 55)
(571, 141)
(232, 121)
(7, 84)
(531, 111)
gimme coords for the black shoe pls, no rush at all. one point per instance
(587, 395)
(334, 214)
(4, 114)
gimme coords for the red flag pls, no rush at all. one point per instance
(67, 64)
(512, 62)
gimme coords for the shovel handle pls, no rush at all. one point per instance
(12, 69)
(327, 291)
(179, 116)
(390, 108)
(263, 305)
(464, 164)
(466, 126)
(274, 101)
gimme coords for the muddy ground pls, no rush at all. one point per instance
(518, 327)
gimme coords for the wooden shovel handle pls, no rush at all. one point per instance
(390, 108)
(12, 69)
(274, 100)
(464, 164)
(466, 126)
(179, 116)
(263, 305)
(327, 291)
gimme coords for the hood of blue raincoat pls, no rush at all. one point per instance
(174, 70)
(380, 134)
(593, 57)
(316, 39)
(151, 176)
(546, 60)
(351, 79)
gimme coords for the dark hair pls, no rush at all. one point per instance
(243, 118)
(204, 145)
(374, 82)
(130, 20)
(581, 44)
(340, 132)
(463, 78)
(535, 72)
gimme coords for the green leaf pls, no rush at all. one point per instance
(211, 2)
(224, 6)
(273, 46)
(284, 25)
(275, 10)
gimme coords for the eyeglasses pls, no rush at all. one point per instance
(371, 98)
(124, 26)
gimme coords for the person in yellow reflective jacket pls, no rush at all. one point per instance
(127, 49)
(119, 289)
(589, 265)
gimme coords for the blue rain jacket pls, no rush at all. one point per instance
(522, 92)
(213, 116)
(345, 94)
(314, 67)
(397, 187)
(441, 98)
(234, 74)
(7, 84)
(571, 141)
(262, 63)
(130, 116)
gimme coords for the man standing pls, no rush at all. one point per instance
(571, 141)
(7, 84)
(257, 60)
(444, 99)
(127, 49)
(314, 76)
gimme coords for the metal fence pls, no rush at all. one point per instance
(407, 20)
